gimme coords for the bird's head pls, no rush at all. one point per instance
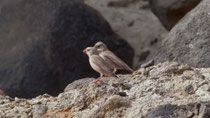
(90, 51)
(100, 46)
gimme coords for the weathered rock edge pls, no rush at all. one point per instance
(167, 89)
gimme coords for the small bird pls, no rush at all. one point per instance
(98, 64)
(110, 58)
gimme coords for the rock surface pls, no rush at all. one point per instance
(162, 91)
(171, 11)
(134, 21)
(42, 41)
(189, 41)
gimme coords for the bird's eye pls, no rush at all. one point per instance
(88, 50)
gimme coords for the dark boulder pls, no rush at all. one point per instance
(41, 43)
(193, 110)
(168, 111)
(171, 11)
(189, 40)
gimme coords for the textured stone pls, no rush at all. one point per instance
(171, 11)
(42, 41)
(154, 92)
(188, 42)
(134, 21)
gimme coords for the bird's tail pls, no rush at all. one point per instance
(115, 76)
(130, 70)
(127, 68)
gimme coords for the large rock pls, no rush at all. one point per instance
(42, 41)
(166, 90)
(171, 11)
(189, 41)
(134, 21)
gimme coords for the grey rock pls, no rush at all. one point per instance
(38, 110)
(123, 94)
(189, 89)
(171, 11)
(42, 41)
(189, 41)
(168, 111)
(204, 111)
(18, 100)
(78, 84)
(134, 21)
(158, 94)
(197, 108)
(190, 115)
(147, 64)
(204, 91)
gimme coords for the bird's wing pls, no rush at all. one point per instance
(116, 60)
(100, 65)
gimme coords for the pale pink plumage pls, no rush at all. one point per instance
(110, 58)
(98, 64)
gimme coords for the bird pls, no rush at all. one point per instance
(98, 64)
(110, 58)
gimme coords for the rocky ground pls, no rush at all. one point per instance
(189, 40)
(41, 52)
(165, 90)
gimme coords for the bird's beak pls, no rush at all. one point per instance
(94, 46)
(85, 51)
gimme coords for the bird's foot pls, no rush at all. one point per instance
(115, 70)
(97, 80)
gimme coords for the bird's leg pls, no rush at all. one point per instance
(115, 70)
(101, 76)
